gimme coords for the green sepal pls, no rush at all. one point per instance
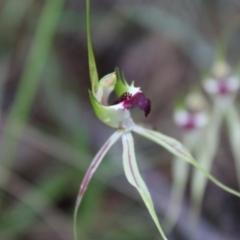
(121, 85)
(91, 59)
(110, 116)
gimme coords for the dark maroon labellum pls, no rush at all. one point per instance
(125, 96)
(137, 100)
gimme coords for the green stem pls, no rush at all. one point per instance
(221, 48)
(75, 222)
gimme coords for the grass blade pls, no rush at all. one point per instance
(31, 77)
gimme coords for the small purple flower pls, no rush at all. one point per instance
(222, 87)
(192, 115)
(222, 81)
(190, 120)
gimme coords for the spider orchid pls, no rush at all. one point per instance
(117, 115)
(191, 117)
(222, 85)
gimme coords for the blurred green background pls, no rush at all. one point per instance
(49, 132)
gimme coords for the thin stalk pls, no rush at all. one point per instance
(233, 124)
(205, 155)
(222, 44)
(180, 175)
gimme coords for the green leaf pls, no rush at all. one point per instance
(133, 176)
(92, 168)
(178, 150)
(91, 58)
(17, 118)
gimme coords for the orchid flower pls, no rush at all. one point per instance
(117, 115)
(191, 117)
(222, 86)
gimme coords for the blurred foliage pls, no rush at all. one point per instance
(48, 139)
